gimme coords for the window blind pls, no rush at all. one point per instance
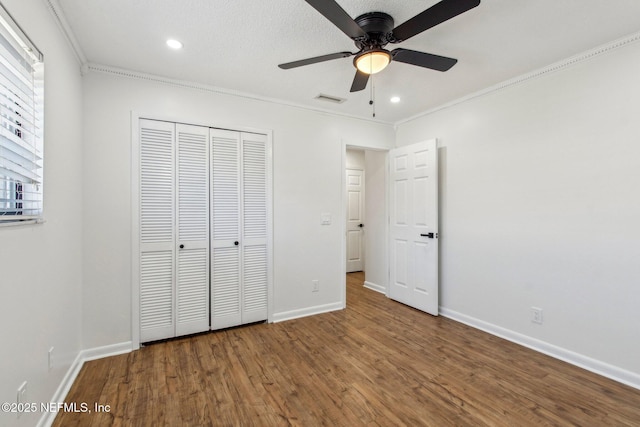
(21, 124)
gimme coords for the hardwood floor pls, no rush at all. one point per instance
(377, 363)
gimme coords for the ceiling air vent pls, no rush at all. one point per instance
(329, 98)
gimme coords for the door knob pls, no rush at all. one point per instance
(236, 243)
(181, 246)
(360, 225)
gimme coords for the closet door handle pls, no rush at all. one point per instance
(236, 243)
(181, 246)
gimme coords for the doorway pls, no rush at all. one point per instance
(365, 213)
(355, 187)
(403, 182)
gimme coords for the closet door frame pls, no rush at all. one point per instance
(135, 209)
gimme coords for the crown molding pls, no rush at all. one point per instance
(123, 72)
(58, 15)
(557, 66)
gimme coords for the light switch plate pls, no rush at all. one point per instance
(326, 218)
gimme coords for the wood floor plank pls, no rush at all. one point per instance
(376, 363)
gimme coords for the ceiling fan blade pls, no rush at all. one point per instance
(422, 59)
(314, 60)
(431, 17)
(359, 81)
(341, 19)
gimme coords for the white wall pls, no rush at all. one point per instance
(41, 265)
(376, 259)
(541, 207)
(355, 159)
(308, 150)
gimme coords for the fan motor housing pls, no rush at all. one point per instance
(377, 25)
(375, 22)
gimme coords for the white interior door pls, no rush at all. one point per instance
(240, 227)
(414, 226)
(192, 272)
(174, 230)
(355, 220)
(254, 227)
(226, 309)
(157, 220)
(203, 254)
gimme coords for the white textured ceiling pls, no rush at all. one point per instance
(237, 45)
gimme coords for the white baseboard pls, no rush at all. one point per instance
(60, 394)
(596, 366)
(106, 351)
(375, 287)
(72, 373)
(304, 312)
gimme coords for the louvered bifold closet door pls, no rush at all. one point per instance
(192, 282)
(254, 232)
(157, 245)
(225, 229)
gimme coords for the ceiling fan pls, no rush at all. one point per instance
(372, 31)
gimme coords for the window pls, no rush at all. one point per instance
(21, 124)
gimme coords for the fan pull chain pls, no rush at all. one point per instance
(372, 96)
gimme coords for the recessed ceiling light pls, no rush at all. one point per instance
(174, 44)
(395, 99)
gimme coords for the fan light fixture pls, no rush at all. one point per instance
(372, 31)
(373, 61)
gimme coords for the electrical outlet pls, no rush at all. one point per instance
(50, 358)
(316, 286)
(536, 315)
